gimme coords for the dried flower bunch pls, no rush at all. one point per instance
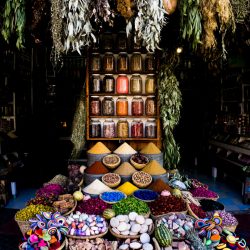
(216, 15)
(241, 8)
(148, 23)
(102, 11)
(170, 103)
(14, 19)
(78, 29)
(191, 26)
(38, 8)
(56, 31)
(125, 8)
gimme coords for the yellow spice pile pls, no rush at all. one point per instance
(150, 148)
(154, 168)
(99, 148)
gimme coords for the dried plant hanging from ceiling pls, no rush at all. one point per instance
(14, 19)
(170, 103)
(57, 32)
(79, 31)
(125, 7)
(190, 22)
(148, 23)
(217, 16)
(79, 127)
(241, 8)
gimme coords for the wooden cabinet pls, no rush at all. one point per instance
(130, 117)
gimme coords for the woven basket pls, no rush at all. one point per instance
(136, 165)
(71, 210)
(231, 228)
(64, 244)
(24, 226)
(87, 237)
(119, 236)
(112, 185)
(111, 166)
(157, 217)
(139, 184)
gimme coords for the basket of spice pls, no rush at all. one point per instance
(130, 226)
(152, 152)
(125, 151)
(23, 216)
(167, 204)
(65, 204)
(196, 211)
(139, 161)
(141, 179)
(111, 161)
(95, 171)
(96, 153)
(112, 180)
(203, 193)
(112, 197)
(145, 195)
(229, 222)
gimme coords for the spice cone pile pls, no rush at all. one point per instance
(154, 168)
(99, 148)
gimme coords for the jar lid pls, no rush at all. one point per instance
(110, 53)
(122, 75)
(135, 74)
(151, 120)
(94, 96)
(109, 120)
(150, 74)
(95, 120)
(95, 53)
(137, 96)
(123, 53)
(95, 74)
(122, 119)
(122, 96)
(137, 120)
(151, 96)
(137, 53)
(107, 96)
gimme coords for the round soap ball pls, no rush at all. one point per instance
(122, 226)
(136, 228)
(114, 222)
(144, 238)
(135, 245)
(132, 216)
(147, 246)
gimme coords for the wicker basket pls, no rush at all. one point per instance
(112, 166)
(119, 236)
(157, 217)
(202, 198)
(231, 228)
(112, 185)
(87, 237)
(138, 166)
(139, 184)
(63, 246)
(71, 210)
(24, 226)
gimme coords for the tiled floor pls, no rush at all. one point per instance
(230, 195)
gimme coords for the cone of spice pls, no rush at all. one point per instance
(99, 148)
(159, 185)
(97, 168)
(150, 148)
(125, 149)
(96, 188)
(125, 169)
(154, 168)
(127, 188)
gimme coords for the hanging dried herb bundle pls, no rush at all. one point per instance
(56, 31)
(216, 15)
(79, 125)
(14, 19)
(102, 12)
(125, 8)
(241, 8)
(170, 104)
(190, 21)
(78, 30)
(38, 8)
(148, 23)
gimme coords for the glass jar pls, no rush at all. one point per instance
(150, 62)
(108, 106)
(136, 84)
(150, 85)
(150, 106)
(96, 62)
(108, 62)
(122, 41)
(109, 83)
(122, 62)
(122, 128)
(136, 62)
(137, 128)
(137, 107)
(107, 41)
(122, 106)
(95, 128)
(136, 45)
(109, 128)
(122, 84)
(96, 84)
(95, 105)
(150, 128)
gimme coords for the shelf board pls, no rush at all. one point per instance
(112, 94)
(230, 147)
(7, 117)
(123, 116)
(122, 139)
(230, 161)
(114, 72)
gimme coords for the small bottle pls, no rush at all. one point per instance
(109, 128)
(150, 62)
(109, 83)
(108, 62)
(122, 64)
(96, 84)
(136, 62)
(95, 128)
(150, 128)
(96, 62)
(150, 85)
(150, 106)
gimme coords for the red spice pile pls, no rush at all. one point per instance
(197, 210)
(159, 185)
(97, 168)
